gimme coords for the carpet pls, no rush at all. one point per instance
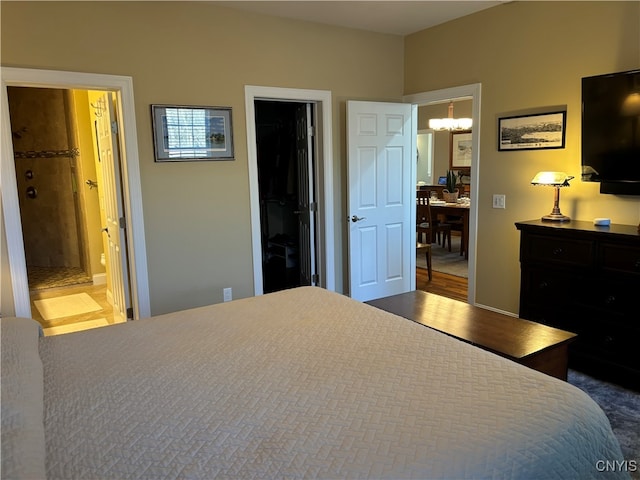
(66, 306)
(444, 261)
(75, 327)
(622, 407)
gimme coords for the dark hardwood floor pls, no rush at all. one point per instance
(442, 284)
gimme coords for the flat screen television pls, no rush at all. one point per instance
(611, 132)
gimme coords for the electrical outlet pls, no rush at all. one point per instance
(499, 201)
(227, 294)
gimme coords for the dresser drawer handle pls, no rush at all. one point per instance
(557, 251)
(637, 264)
(610, 299)
(543, 285)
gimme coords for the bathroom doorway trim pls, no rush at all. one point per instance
(131, 191)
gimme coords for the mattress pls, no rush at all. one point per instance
(305, 383)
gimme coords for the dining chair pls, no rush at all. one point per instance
(427, 250)
(456, 225)
(427, 226)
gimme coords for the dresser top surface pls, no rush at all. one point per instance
(579, 225)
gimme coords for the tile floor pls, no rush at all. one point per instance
(53, 283)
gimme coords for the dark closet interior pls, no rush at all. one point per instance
(279, 193)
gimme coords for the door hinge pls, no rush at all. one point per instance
(114, 128)
(311, 131)
(315, 279)
(313, 207)
(122, 223)
(130, 313)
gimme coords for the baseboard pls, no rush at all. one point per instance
(100, 279)
(497, 310)
(109, 297)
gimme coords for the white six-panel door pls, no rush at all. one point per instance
(306, 195)
(114, 211)
(381, 155)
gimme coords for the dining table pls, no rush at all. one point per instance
(455, 210)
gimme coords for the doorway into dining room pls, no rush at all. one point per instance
(453, 270)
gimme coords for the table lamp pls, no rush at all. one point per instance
(556, 180)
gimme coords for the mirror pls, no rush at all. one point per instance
(425, 157)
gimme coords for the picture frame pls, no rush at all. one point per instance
(460, 150)
(186, 133)
(532, 132)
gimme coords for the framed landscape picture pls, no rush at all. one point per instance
(460, 150)
(531, 132)
(184, 133)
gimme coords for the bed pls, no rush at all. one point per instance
(303, 383)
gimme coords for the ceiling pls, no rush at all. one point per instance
(393, 17)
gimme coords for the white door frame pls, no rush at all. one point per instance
(324, 170)
(131, 189)
(472, 91)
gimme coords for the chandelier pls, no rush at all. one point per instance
(450, 123)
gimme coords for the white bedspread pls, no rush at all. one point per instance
(306, 383)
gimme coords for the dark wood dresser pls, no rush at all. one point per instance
(586, 279)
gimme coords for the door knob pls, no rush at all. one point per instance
(356, 218)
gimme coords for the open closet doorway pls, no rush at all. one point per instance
(318, 105)
(287, 185)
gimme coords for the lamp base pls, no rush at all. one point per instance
(555, 217)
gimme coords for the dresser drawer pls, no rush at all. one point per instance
(614, 297)
(564, 319)
(620, 258)
(550, 288)
(612, 342)
(559, 251)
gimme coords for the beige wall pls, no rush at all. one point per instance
(527, 55)
(196, 214)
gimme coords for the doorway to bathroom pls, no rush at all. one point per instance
(63, 192)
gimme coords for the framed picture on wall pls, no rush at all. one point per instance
(532, 132)
(460, 150)
(184, 133)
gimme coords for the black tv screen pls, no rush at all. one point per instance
(611, 131)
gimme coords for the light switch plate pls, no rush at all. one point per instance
(499, 201)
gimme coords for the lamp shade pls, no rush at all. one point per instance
(557, 180)
(554, 179)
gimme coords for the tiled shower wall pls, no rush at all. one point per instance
(39, 123)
